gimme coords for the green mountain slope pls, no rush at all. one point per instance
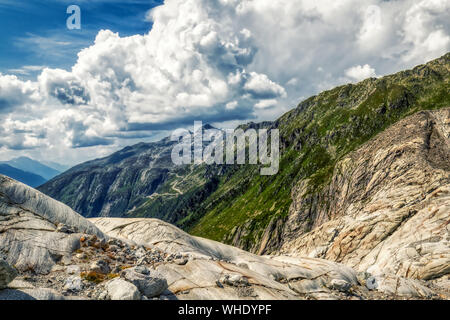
(124, 183)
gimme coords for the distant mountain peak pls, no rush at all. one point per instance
(28, 178)
(208, 127)
(30, 165)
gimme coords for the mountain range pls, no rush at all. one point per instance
(31, 179)
(234, 204)
(29, 171)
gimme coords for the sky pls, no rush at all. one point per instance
(138, 69)
(34, 32)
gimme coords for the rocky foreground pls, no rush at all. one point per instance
(50, 252)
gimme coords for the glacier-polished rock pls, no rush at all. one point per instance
(29, 224)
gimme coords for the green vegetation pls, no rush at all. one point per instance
(96, 277)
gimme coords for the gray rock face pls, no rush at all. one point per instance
(150, 283)
(30, 294)
(340, 285)
(119, 289)
(31, 236)
(388, 204)
(7, 273)
(73, 283)
(218, 271)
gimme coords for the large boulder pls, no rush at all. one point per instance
(35, 230)
(150, 283)
(119, 289)
(30, 294)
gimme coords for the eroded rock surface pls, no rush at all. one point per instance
(7, 273)
(150, 282)
(387, 207)
(35, 230)
(217, 271)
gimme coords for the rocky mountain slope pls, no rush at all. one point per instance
(386, 208)
(122, 184)
(113, 185)
(52, 253)
(235, 204)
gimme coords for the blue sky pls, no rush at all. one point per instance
(34, 32)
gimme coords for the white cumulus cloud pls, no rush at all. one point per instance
(358, 73)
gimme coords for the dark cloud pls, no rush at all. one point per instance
(5, 105)
(69, 92)
(82, 141)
